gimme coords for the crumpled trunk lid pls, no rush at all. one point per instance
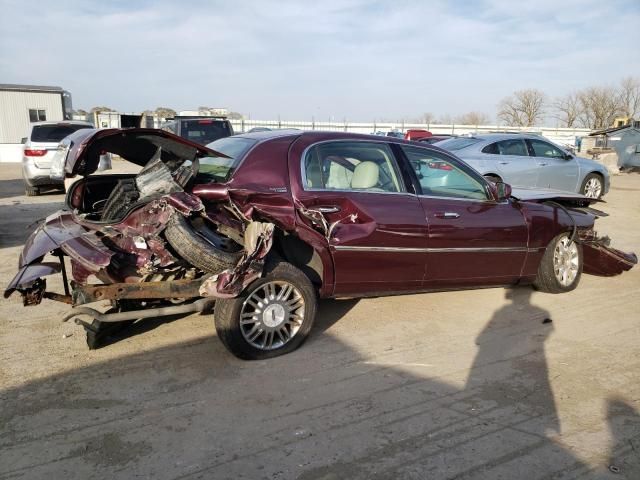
(136, 145)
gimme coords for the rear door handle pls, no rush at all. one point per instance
(446, 215)
(542, 164)
(331, 209)
(504, 163)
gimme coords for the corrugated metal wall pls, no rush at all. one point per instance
(14, 112)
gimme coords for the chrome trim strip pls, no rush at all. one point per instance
(355, 248)
(350, 248)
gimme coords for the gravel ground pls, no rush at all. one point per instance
(446, 385)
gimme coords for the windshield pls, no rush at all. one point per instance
(54, 133)
(216, 169)
(457, 143)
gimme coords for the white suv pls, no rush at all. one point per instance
(39, 148)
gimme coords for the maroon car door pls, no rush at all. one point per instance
(377, 229)
(473, 239)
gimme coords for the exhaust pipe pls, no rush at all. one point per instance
(197, 306)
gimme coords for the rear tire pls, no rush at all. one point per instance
(272, 317)
(191, 246)
(31, 191)
(561, 266)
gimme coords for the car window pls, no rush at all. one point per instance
(491, 149)
(458, 143)
(204, 131)
(545, 149)
(513, 147)
(220, 169)
(54, 133)
(439, 176)
(358, 166)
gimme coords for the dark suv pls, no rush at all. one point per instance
(200, 130)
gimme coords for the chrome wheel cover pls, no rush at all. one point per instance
(566, 261)
(593, 188)
(272, 315)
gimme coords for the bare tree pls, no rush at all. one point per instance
(235, 116)
(427, 117)
(600, 106)
(165, 112)
(474, 118)
(101, 109)
(568, 109)
(444, 119)
(524, 108)
(630, 96)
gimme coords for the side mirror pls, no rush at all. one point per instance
(568, 156)
(23, 140)
(503, 191)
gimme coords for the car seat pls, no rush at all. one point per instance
(365, 176)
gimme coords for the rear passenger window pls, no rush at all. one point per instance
(513, 147)
(439, 177)
(357, 166)
(491, 149)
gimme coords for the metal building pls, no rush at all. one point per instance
(22, 104)
(624, 140)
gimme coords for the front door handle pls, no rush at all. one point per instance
(504, 163)
(542, 164)
(446, 215)
(331, 209)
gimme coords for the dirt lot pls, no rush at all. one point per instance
(464, 384)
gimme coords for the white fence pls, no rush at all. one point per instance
(561, 136)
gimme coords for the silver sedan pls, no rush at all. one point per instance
(525, 160)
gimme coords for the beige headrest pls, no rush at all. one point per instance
(365, 175)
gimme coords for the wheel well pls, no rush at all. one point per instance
(300, 254)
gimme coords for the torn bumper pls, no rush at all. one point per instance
(603, 260)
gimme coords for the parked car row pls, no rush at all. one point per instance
(530, 161)
(268, 222)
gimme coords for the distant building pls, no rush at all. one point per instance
(624, 140)
(210, 112)
(22, 104)
(624, 121)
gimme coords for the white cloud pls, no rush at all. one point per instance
(354, 59)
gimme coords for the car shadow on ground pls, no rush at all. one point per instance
(15, 188)
(17, 221)
(191, 410)
(329, 312)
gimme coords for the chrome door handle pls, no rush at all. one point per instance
(332, 209)
(447, 215)
(542, 164)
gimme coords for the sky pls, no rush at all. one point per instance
(330, 59)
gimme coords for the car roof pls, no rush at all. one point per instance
(501, 136)
(322, 135)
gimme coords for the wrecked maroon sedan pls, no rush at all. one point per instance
(266, 223)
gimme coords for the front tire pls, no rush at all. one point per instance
(561, 266)
(31, 191)
(593, 186)
(273, 316)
